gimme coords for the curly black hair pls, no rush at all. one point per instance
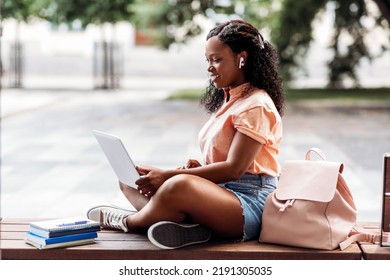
(261, 68)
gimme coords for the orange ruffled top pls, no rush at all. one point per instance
(254, 115)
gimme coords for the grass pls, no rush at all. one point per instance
(307, 94)
(186, 94)
(339, 94)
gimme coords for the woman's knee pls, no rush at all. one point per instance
(178, 186)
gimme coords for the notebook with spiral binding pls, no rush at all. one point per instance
(64, 224)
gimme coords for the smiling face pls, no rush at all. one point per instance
(224, 64)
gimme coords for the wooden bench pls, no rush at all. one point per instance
(123, 246)
(373, 251)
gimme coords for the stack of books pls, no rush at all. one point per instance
(63, 232)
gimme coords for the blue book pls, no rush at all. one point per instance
(61, 239)
(49, 234)
(62, 244)
(63, 226)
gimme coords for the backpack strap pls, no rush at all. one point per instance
(360, 236)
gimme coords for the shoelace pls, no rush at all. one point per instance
(114, 219)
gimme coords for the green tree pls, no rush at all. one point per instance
(87, 12)
(170, 21)
(296, 20)
(176, 21)
(289, 23)
(293, 33)
(21, 11)
(100, 13)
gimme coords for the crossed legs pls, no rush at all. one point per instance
(188, 197)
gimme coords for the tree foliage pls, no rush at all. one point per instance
(86, 11)
(67, 11)
(348, 42)
(176, 21)
(293, 34)
(170, 21)
(290, 24)
(349, 15)
(21, 10)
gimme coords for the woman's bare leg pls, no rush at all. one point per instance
(187, 196)
(134, 197)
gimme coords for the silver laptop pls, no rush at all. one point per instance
(118, 157)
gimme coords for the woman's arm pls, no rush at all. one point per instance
(242, 152)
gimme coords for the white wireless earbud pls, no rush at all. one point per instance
(241, 62)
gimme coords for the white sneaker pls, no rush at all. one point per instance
(110, 216)
(170, 235)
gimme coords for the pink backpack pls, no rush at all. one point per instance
(312, 207)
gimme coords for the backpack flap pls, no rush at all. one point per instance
(308, 180)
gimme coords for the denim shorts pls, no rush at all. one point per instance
(252, 191)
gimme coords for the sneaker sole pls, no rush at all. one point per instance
(170, 235)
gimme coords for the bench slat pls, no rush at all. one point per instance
(375, 252)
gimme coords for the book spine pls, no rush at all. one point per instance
(61, 239)
(72, 237)
(63, 244)
(49, 234)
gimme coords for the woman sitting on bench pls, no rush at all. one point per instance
(240, 143)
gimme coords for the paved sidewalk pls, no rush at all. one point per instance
(52, 165)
